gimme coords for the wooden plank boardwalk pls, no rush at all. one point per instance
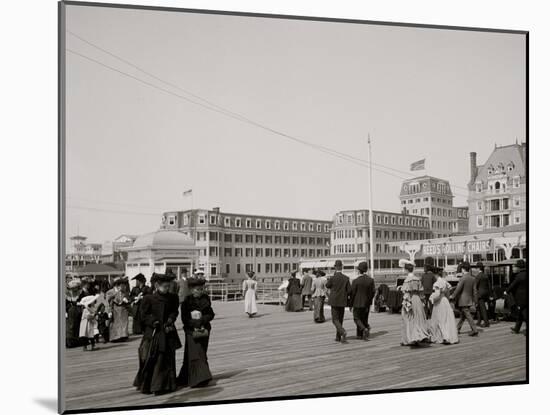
(286, 354)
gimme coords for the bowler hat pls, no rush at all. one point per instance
(338, 264)
(520, 263)
(320, 273)
(363, 266)
(139, 277)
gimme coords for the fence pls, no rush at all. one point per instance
(266, 293)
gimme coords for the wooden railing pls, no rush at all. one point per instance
(266, 293)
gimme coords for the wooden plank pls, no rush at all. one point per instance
(286, 354)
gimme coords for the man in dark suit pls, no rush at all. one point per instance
(428, 280)
(362, 293)
(519, 289)
(340, 289)
(483, 295)
(466, 296)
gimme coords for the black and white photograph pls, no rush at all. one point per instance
(268, 207)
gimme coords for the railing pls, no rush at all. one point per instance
(266, 293)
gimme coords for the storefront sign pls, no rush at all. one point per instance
(478, 247)
(450, 248)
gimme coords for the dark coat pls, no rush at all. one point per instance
(483, 286)
(362, 291)
(157, 351)
(201, 304)
(340, 289)
(134, 293)
(519, 289)
(294, 286)
(465, 293)
(428, 280)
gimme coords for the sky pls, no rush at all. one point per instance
(132, 149)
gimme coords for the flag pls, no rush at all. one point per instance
(188, 192)
(418, 165)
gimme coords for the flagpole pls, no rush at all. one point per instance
(371, 250)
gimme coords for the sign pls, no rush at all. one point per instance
(456, 248)
(478, 247)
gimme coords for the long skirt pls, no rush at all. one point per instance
(136, 319)
(195, 371)
(118, 329)
(157, 370)
(319, 309)
(294, 302)
(250, 302)
(88, 328)
(414, 326)
(442, 324)
(72, 323)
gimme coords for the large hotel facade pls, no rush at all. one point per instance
(231, 244)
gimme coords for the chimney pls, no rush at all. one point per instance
(216, 210)
(473, 166)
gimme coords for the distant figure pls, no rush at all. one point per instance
(249, 294)
(157, 351)
(183, 289)
(442, 324)
(414, 327)
(136, 295)
(428, 280)
(294, 291)
(362, 293)
(319, 294)
(519, 289)
(483, 295)
(196, 315)
(119, 304)
(307, 281)
(340, 289)
(88, 324)
(466, 297)
(103, 311)
(73, 313)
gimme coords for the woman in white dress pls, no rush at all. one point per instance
(414, 326)
(442, 324)
(249, 294)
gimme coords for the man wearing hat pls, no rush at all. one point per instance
(465, 295)
(340, 289)
(362, 293)
(519, 289)
(483, 295)
(306, 284)
(136, 295)
(319, 286)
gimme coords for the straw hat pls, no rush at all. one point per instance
(89, 299)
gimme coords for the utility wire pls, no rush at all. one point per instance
(125, 212)
(215, 108)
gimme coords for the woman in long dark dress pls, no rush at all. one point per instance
(157, 351)
(196, 315)
(136, 296)
(294, 290)
(73, 314)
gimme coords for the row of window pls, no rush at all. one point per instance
(427, 199)
(439, 187)
(363, 248)
(379, 234)
(494, 205)
(215, 251)
(498, 186)
(498, 221)
(268, 224)
(348, 218)
(261, 239)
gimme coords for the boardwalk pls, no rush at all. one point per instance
(286, 354)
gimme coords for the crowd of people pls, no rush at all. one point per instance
(428, 306)
(97, 310)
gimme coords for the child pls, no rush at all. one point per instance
(88, 324)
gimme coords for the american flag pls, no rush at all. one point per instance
(188, 192)
(418, 165)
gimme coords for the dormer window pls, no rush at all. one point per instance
(490, 170)
(510, 166)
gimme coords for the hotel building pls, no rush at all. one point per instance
(498, 190)
(231, 244)
(432, 198)
(350, 235)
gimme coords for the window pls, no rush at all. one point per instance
(248, 223)
(479, 187)
(259, 239)
(238, 222)
(202, 219)
(401, 220)
(277, 268)
(277, 239)
(268, 252)
(259, 268)
(258, 223)
(212, 219)
(213, 236)
(277, 225)
(213, 251)
(515, 182)
(517, 201)
(259, 252)
(228, 237)
(238, 252)
(227, 268)
(268, 224)
(302, 226)
(407, 221)
(311, 227)
(268, 268)
(238, 268)
(248, 238)
(248, 252)
(238, 238)
(171, 220)
(268, 239)
(517, 218)
(227, 252)
(227, 221)
(185, 220)
(277, 252)
(480, 221)
(285, 226)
